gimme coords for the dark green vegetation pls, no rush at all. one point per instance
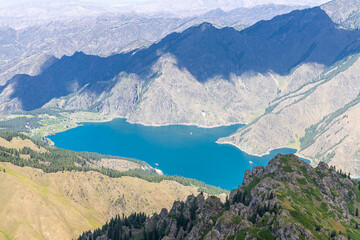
(55, 160)
(18, 124)
(286, 200)
(119, 228)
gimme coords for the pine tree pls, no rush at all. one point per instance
(144, 235)
(193, 209)
(163, 229)
(237, 197)
(253, 218)
(227, 204)
(271, 195)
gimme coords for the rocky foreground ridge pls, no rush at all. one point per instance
(286, 200)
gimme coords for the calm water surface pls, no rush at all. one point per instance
(186, 151)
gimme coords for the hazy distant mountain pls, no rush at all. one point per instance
(246, 16)
(23, 13)
(35, 12)
(189, 7)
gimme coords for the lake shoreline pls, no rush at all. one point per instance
(112, 118)
(184, 124)
(180, 150)
(254, 154)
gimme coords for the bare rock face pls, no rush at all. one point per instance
(178, 98)
(173, 96)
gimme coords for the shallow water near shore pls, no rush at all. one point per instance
(187, 151)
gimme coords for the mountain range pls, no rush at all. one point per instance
(318, 119)
(26, 44)
(259, 49)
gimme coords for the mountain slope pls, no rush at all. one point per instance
(61, 205)
(286, 200)
(299, 119)
(344, 12)
(200, 57)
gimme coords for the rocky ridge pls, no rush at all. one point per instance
(288, 199)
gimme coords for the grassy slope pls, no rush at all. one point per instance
(61, 205)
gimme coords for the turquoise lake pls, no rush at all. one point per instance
(186, 151)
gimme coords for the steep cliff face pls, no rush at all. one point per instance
(286, 200)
